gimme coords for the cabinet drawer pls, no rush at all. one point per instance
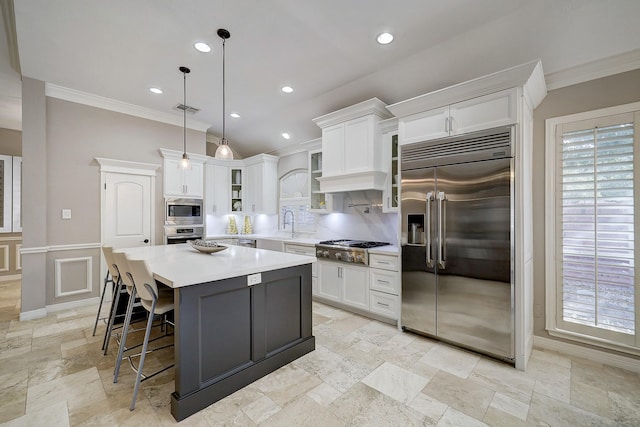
(300, 249)
(384, 281)
(385, 262)
(303, 250)
(383, 304)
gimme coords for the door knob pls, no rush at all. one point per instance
(145, 241)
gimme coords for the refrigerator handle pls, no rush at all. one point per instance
(428, 227)
(441, 231)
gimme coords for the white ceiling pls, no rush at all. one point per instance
(325, 49)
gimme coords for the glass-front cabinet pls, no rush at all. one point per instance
(320, 202)
(391, 192)
(236, 189)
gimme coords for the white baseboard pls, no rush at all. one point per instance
(41, 312)
(33, 314)
(72, 304)
(598, 356)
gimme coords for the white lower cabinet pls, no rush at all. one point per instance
(344, 283)
(384, 277)
(384, 304)
(308, 250)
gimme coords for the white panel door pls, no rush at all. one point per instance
(355, 288)
(127, 210)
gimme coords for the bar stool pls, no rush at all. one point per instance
(111, 277)
(116, 300)
(156, 304)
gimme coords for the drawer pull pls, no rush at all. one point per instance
(383, 304)
(386, 282)
(384, 262)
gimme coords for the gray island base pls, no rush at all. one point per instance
(229, 334)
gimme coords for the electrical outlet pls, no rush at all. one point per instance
(254, 279)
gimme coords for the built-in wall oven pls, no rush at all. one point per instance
(183, 220)
(181, 211)
(182, 234)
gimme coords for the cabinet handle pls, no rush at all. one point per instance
(388, 202)
(384, 262)
(446, 124)
(340, 272)
(383, 304)
(386, 282)
(451, 124)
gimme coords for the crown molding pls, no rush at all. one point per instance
(594, 70)
(9, 18)
(73, 95)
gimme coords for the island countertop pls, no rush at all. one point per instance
(181, 265)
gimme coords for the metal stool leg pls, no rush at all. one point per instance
(144, 353)
(125, 331)
(112, 318)
(107, 280)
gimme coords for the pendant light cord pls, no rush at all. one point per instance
(224, 114)
(184, 112)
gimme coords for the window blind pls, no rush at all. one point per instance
(597, 224)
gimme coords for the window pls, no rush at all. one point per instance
(294, 197)
(592, 285)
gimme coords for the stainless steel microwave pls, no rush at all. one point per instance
(179, 211)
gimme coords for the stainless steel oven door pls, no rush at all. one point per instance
(179, 211)
(182, 234)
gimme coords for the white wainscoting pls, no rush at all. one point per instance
(4, 258)
(18, 256)
(68, 263)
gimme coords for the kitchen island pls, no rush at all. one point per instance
(239, 314)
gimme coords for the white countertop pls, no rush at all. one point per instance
(181, 265)
(385, 250)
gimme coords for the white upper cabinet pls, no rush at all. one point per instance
(484, 112)
(261, 184)
(352, 148)
(242, 186)
(180, 182)
(320, 202)
(217, 188)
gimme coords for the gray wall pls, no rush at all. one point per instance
(600, 93)
(10, 142)
(60, 142)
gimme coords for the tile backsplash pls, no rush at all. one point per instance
(361, 219)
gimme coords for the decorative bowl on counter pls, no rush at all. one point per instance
(206, 246)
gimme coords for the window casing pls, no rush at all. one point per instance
(294, 196)
(593, 194)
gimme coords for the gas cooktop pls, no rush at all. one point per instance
(361, 244)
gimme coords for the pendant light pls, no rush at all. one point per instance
(184, 162)
(223, 151)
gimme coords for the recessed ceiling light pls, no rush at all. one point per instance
(235, 115)
(155, 90)
(202, 47)
(385, 38)
(287, 89)
(285, 135)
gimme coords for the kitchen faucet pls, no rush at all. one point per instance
(284, 221)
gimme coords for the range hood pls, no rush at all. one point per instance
(352, 153)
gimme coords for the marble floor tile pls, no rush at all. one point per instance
(395, 382)
(463, 395)
(77, 390)
(452, 360)
(324, 394)
(261, 409)
(286, 384)
(55, 415)
(503, 378)
(362, 373)
(510, 406)
(453, 418)
(545, 410)
(430, 407)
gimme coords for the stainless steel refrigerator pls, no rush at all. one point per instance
(457, 241)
